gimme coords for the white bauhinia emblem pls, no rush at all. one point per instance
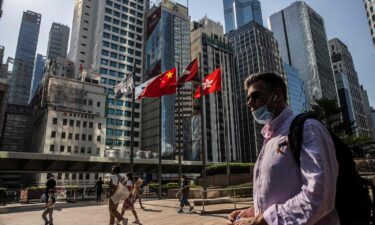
(207, 84)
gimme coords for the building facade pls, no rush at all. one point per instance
(107, 37)
(240, 12)
(300, 33)
(1, 8)
(220, 109)
(342, 62)
(25, 57)
(17, 129)
(69, 119)
(58, 41)
(296, 90)
(38, 72)
(167, 46)
(255, 51)
(370, 7)
(367, 109)
(346, 103)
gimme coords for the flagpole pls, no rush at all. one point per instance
(159, 162)
(203, 109)
(179, 121)
(132, 125)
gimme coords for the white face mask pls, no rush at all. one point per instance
(50, 195)
(262, 115)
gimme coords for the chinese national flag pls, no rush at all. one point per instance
(211, 83)
(163, 84)
(189, 73)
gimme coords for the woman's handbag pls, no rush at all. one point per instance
(120, 193)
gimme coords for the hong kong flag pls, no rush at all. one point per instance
(163, 84)
(211, 83)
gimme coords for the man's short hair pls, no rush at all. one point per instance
(271, 80)
(116, 169)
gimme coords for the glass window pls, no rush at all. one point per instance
(105, 43)
(91, 124)
(116, 30)
(52, 148)
(70, 136)
(108, 19)
(53, 134)
(113, 73)
(62, 148)
(103, 71)
(63, 134)
(107, 36)
(65, 122)
(114, 38)
(104, 62)
(76, 137)
(114, 46)
(114, 55)
(54, 121)
(103, 80)
(71, 123)
(113, 64)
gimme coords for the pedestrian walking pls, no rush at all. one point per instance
(99, 189)
(50, 203)
(50, 185)
(183, 194)
(129, 201)
(138, 182)
(285, 192)
(114, 182)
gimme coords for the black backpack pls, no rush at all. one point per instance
(353, 203)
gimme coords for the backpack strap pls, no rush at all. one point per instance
(295, 135)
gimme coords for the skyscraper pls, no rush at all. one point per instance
(296, 89)
(1, 8)
(24, 61)
(370, 10)
(37, 74)
(167, 46)
(300, 33)
(343, 64)
(255, 51)
(221, 112)
(107, 36)
(239, 12)
(346, 103)
(367, 109)
(58, 41)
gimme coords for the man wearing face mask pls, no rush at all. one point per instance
(283, 191)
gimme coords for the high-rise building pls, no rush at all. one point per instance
(296, 89)
(346, 103)
(370, 10)
(300, 33)
(255, 51)
(1, 8)
(342, 62)
(367, 109)
(17, 130)
(373, 117)
(167, 46)
(240, 12)
(58, 41)
(25, 56)
(40, 62)
(220, 109)
(107, 37)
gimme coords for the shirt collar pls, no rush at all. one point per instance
(269, 129)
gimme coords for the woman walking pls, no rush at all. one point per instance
(113, 184)
(138, 182)
(129, 201)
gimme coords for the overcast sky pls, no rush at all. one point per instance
(345, 19)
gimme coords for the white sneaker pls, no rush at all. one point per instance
(136, 221)
(125, 221)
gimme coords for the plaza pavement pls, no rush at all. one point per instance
(157, 212)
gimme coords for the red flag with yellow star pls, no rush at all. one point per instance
(163, 84)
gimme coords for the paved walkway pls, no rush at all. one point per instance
(157, 212)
